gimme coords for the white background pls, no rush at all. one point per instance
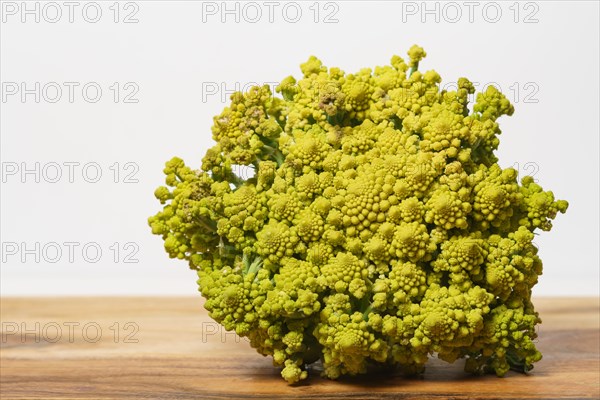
(547, 52)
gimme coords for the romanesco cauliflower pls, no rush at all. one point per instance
(377, 227)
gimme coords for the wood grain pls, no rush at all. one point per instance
(177, 352)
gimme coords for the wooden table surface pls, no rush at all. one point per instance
(168, 348)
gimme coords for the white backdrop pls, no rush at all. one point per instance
(96, 96)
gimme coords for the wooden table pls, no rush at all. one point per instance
(168, 348)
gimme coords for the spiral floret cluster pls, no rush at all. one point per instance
(376, 227)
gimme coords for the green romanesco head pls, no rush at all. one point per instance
(375, 226)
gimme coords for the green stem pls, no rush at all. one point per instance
(367, 311)
(206, 225)
(251, 268)
(236, 180)
(413, 69)
(274, 153)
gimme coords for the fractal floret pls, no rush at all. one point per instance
(360, 221)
